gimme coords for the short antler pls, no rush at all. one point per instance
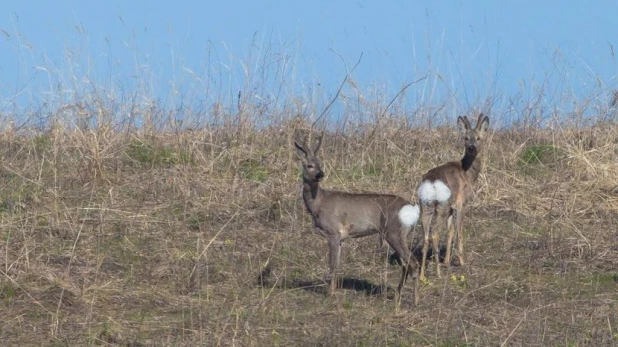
(317, 147)
(301, 148)
(302, 145)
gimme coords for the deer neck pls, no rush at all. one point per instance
(471, 166)
(311, 195)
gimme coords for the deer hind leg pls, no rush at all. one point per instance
(426, 219)
(460, 235)
(406, 270)
(449, 238)
(441, 220)
(397, 240)
(334, 254)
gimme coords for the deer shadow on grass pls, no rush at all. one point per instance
(267, 279)
(417, 252)
(356, 284)
(321, 286)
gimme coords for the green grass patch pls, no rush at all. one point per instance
(538, 154)
(17, 193)
(42, 143)
(604, 281)
(157, 155)
(366, 170)
(611, 278)
(122, 250)
(195, 221)
(253, 170)
(7, 291)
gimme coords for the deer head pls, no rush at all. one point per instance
(312, 166)
(473, 136)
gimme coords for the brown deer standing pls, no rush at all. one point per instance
(339, 215)
(444, 192)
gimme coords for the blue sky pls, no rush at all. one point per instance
(472, 50)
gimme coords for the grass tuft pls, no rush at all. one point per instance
(538, 154)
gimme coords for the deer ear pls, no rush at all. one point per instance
(463, 124)
(479, 119)
(483, 123)
(301, 148)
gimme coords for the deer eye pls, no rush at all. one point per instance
(467, 138)
(310, 166)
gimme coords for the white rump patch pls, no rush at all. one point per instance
(408, 215)
(430, 192)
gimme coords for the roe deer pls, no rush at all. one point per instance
(445, 190)
(339, 215)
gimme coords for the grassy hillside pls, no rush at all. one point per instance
(199, 237)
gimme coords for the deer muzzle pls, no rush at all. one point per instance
(471, 149)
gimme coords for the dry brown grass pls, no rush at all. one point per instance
(150, 238)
